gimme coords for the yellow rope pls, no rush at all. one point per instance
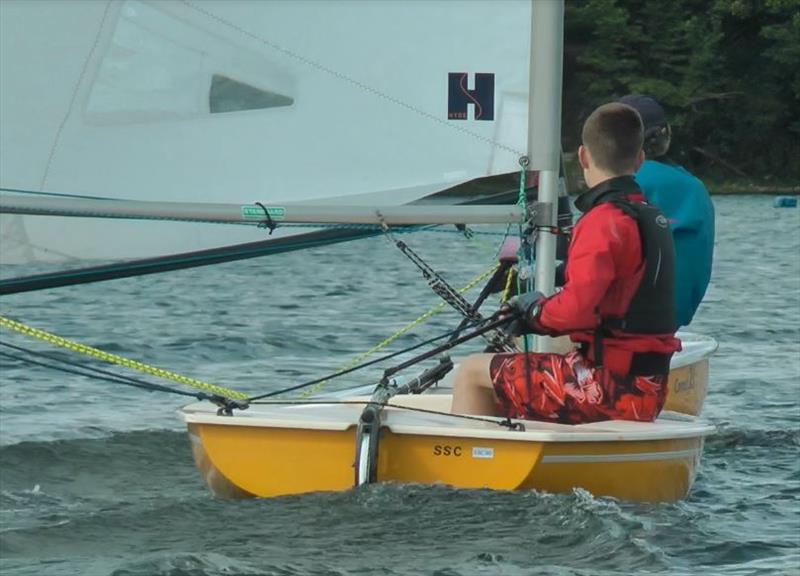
(212, 388)
(435, 310)
(114, 359)
(507, 289)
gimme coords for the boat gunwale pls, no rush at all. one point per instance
(667, 427)
(696, 347)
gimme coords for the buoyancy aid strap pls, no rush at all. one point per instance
(599, 334)
(642, 363)
(649, 363)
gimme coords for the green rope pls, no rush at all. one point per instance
(525, 260)
(522, 200)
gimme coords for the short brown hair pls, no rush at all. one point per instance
(613, 133)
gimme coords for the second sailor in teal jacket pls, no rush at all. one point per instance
(685, 201)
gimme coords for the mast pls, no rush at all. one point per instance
(544, 131)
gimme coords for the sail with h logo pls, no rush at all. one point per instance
(460, 97)
(218, 102)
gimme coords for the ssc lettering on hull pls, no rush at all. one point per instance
(445, 450)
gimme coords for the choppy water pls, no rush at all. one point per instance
(97, 479)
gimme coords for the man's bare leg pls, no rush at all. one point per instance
(473, 392)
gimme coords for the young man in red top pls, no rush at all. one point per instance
(617, 303)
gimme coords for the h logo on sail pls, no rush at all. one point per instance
(459, 96)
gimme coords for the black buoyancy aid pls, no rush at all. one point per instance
(652, 308)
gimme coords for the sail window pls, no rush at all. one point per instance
(162, 62)
(229, 95)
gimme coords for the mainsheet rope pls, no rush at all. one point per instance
(422, 318)
(92, 352)
(504, 422)
(97, 374)
(92, 372)
(209, 388)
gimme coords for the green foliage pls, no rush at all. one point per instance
(726, 71)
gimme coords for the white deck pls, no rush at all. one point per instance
(695, 347)
(339, 416)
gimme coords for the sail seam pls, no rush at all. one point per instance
(57, 139)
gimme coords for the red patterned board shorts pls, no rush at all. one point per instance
(567, 389)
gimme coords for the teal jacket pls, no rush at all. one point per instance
(685, 201)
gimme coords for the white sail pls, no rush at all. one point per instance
(242, 101)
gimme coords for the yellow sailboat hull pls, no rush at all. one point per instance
(267, 451)
(281, 458)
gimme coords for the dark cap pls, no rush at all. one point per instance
(651, 111)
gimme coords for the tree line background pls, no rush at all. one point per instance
(726, 71)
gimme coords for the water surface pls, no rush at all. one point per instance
(97, 479)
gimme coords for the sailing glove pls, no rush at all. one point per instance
(526, 308)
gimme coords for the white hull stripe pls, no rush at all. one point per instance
(637, 457)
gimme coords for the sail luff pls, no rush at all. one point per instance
(259, 214)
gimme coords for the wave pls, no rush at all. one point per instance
(208, 564)
(773, 438)
(139, 495)
(101, 467)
